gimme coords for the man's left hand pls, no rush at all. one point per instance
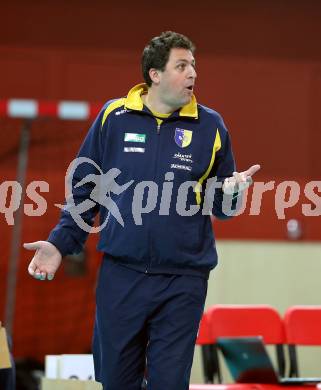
(240, 180)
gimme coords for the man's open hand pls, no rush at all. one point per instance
(45, 261)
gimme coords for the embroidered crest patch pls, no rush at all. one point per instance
(183, 137)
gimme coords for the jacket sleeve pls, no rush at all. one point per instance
(69, 235)
(224, 206)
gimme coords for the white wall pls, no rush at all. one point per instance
(277, 273)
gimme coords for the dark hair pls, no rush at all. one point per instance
(156, 53)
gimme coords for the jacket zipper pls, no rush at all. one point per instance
(155, 174)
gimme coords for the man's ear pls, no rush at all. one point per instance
(154, 74)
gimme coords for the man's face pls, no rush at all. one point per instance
(177, 81)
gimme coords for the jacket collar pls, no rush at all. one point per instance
(133, 101)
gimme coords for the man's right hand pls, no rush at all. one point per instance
(46, 260)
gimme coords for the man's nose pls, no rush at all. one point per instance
(192, 73)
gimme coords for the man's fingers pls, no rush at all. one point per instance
(32, 246)
(240, 180)
(249, 180)
(32, 269)
(39, 275)
(252, 170)
(43, 276)
(35, 271)
(237, 176)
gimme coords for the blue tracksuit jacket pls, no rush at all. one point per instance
(193, 144)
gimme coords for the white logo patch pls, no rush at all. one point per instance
(121, 112)
(133, 137)
(183, 157)
(134, 150)
(184, 167)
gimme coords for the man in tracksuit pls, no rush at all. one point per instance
(145, 166)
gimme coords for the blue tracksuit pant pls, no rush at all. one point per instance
(145, 320)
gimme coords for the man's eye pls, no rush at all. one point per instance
(181, 66)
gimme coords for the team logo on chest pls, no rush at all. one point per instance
(133, 137)
(183, 137)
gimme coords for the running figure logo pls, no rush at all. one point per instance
(103, 186)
